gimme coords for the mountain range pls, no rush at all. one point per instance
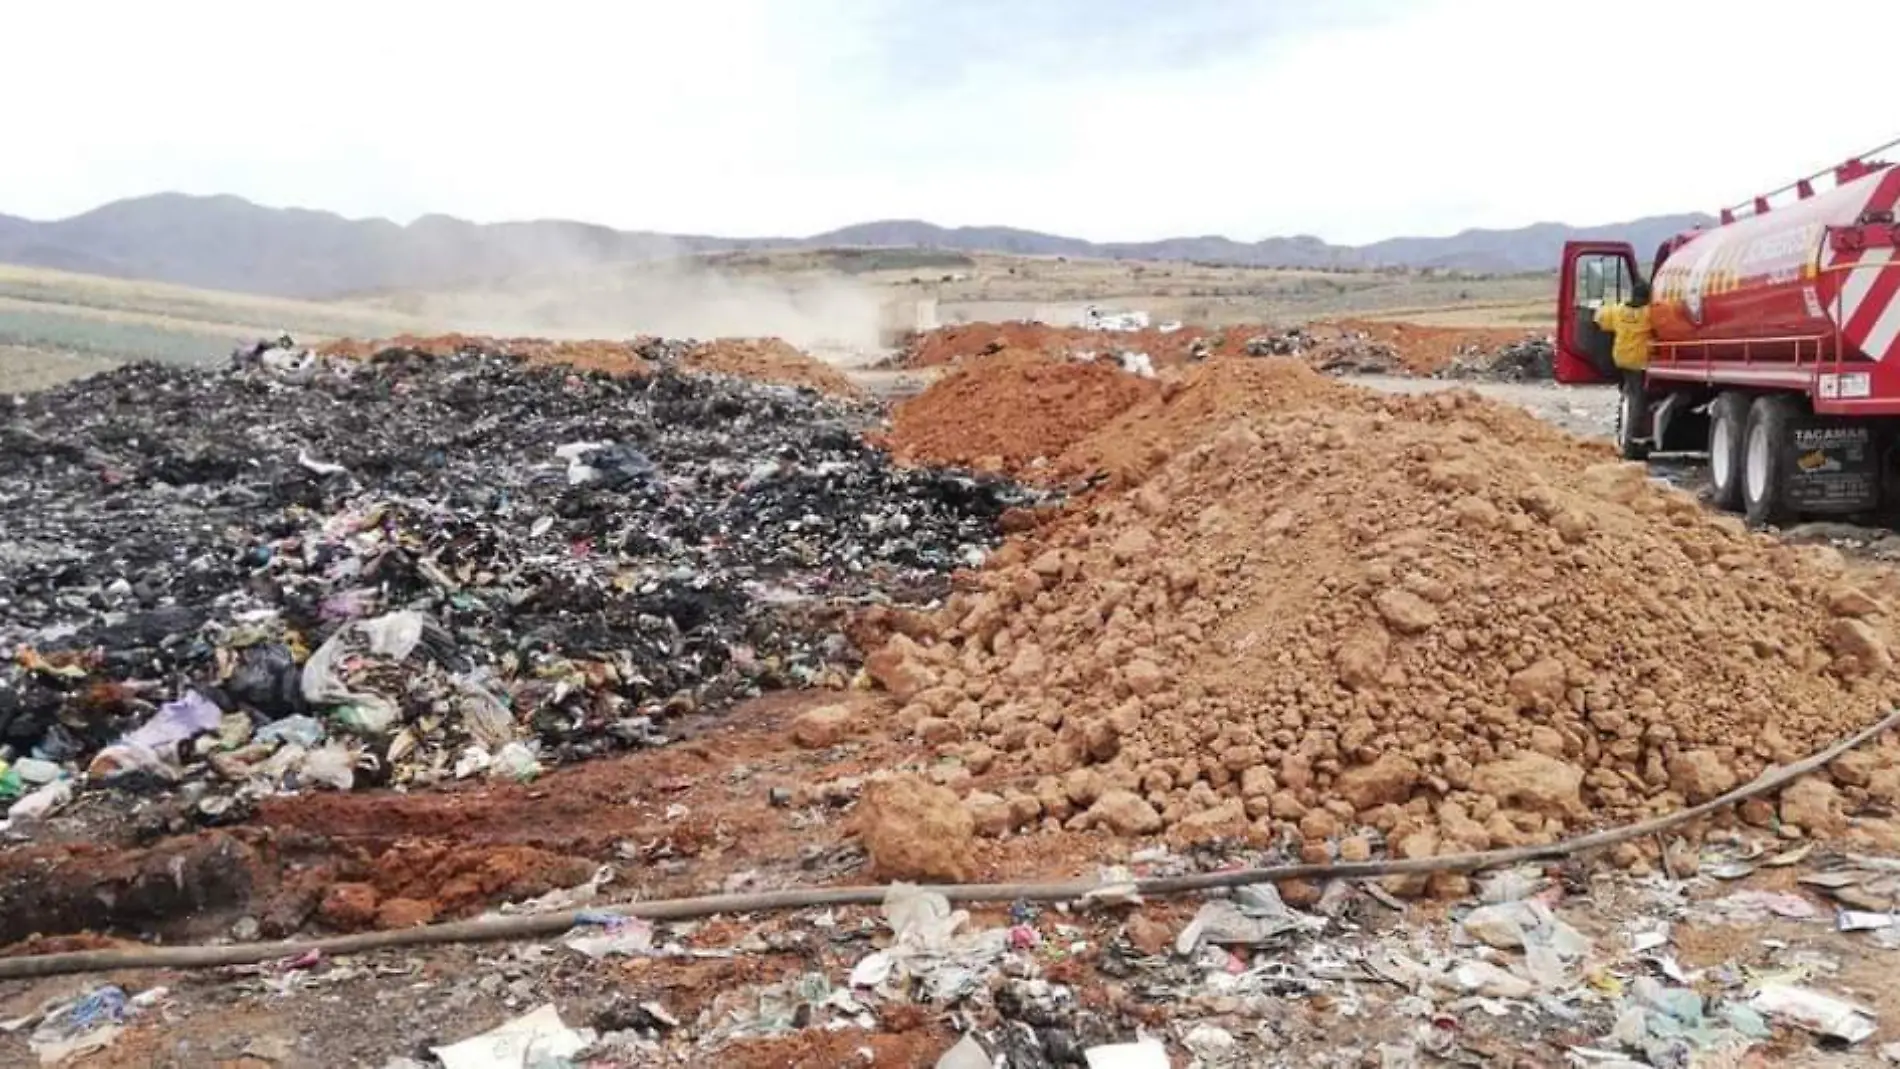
(228, 243)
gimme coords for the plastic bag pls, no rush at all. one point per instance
(392, 637)
(921, 919)
(42, 803)
(188, 717)
(302, 731)
(330, 766)
(483, 714)
(516, 762)
(152, 746)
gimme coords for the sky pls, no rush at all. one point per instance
(1352, 120)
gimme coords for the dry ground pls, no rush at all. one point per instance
(107, 320)
(844, 294)
(844, 303)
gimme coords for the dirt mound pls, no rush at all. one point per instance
(1433, 616)
(1343, 345)
(965, 342)
(1193, 404)
(1012, 410)
(770, 360)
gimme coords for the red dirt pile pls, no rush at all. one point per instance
(770, 360)
(1426, 350)
(952, 345)
(1326, 610)
(1194, 403)
(1013, 412)
(1419, 350)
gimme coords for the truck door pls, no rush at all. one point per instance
(1594, 273)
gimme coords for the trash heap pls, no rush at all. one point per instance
(637, 356)
(1349, 352)
(305, 569)
(769, 360)
(1532, 359)
(1432, 621)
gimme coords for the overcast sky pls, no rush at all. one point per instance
(1106, 119)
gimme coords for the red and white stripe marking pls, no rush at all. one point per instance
(1862, 288)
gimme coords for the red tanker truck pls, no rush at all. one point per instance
(1777, 344)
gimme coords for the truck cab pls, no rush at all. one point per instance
(1595, 273)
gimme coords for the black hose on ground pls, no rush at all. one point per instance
(540, 925)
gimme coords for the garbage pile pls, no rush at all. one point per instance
(1291, 342)
(635, 357)
(1348, 353)
(1531, 359)
(1321, 612)
(769, 360)
(306, 570)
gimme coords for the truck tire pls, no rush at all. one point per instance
(1632, 417)
(1728, 424)
(1767, 450)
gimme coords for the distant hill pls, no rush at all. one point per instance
(229, 243)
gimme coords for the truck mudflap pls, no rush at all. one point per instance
(1831, 466)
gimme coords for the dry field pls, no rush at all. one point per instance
(845, 303)
(54, 324)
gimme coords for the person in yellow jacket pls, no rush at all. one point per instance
(1630, 323)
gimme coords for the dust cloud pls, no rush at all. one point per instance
(817, 310)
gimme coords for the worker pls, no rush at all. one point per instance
(1629, 321)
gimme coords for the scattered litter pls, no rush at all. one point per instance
(1510, 885)
(1789, 857)
(1211, 1045)
(1816, 1012)
(299, 730)
(565, 898)
(1490, 981)
(1146, 1054)
(1755, 907)
(620, 937)
(530, 1040)
(1255, 917)
(86, 1024)
(34, 772)
(1852, 920)
(516, 761)
(152, 746)
(967, 1053)
(41, 803)
(1642, 942)
(332, 766)
(921, 920)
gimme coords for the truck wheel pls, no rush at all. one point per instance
(1766, 458)
(1728, 422)
(1632, 413)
